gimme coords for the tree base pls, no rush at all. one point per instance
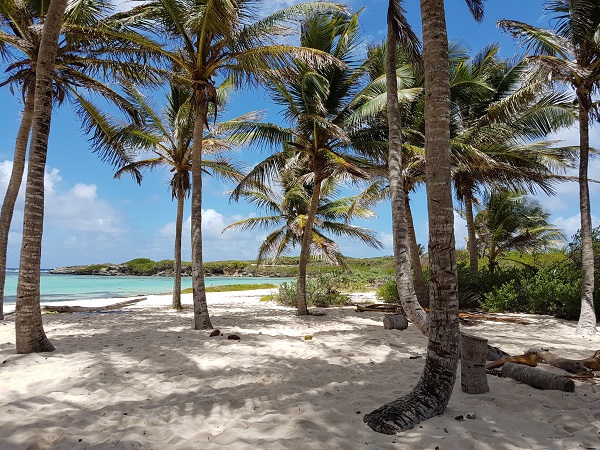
(404, 413)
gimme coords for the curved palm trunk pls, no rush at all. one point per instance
(415, 259)
(12, 191)
(305, 247)
(433, 391)
(471, 235)
(201, 316)
(177, 261)
(404, 278)
(30, 335)
(587, 317)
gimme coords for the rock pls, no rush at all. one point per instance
(459, 418)
(234, 337)
(471, 415)
(215, 333)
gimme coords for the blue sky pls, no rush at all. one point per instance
(92, 218)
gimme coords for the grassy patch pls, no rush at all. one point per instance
(234, 287)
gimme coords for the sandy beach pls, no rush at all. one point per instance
(141, 378)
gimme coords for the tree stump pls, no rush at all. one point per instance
(537, 378)
(473, 379)
(395, 322)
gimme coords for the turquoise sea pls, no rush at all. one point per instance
(57, 288)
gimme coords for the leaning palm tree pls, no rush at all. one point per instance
(509, 220)
(316, 103)
(29, 330)
(207, 39)
(433, 391)
(287, 207)
(571, 54)
(79, 59)
(165, 140)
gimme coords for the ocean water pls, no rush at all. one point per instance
(57, 288)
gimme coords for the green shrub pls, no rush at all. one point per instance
(321, 291)
(141, 266)
(506, 298)
(388, 292)
(94, 268)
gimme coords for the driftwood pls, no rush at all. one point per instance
(382, 307)
(71, 309)
(395, 322)
(473, 350)
(529, 359)
(537, 378)
(584, 367)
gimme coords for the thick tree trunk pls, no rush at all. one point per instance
(473, 352)
(587, 316)
(305, 247)
(415, 259)
(433, 391)
(537, 378)
(404, 278)
(177, 257)
(30, 335)
(201, 316)
(14, 185)
(472, 236)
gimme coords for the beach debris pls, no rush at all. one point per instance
(382, 307)
(215, 333)
(537, 378)
(395, 322)
(71, 309)
(459, 418)
(580, 367)
(529, 359)
(234, 337)
(470, 415)
(308, 337)
(494, 353)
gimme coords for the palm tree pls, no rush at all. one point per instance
(316, 103)
(77, 61)
(29, 330)
(288, 207)
(494, 134)
(508, 220)
(571, 53)
(210, 39)
(432, 393)
(168, 136)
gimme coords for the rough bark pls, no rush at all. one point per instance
(305, 247)
(415, 259)
(404, 278)
(472, 236)
(177, 256)
(433, 391)
(14, 184)
(473, 351)
(587, 316)
(537, 378)
(395, 322)
(201, 316)
(30, 335)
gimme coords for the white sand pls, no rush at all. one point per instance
(141, 378)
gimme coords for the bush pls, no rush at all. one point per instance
(388, 292)
(506, 298)
(141, 266)
(321, 291)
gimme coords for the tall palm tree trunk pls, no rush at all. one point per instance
(433, 391)
(587, 317)
(415, 259)
(404, 278)
(201, 316)
(177, 257)
(305, 247)
(14, 185)
(471, 235)
(30, 335)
